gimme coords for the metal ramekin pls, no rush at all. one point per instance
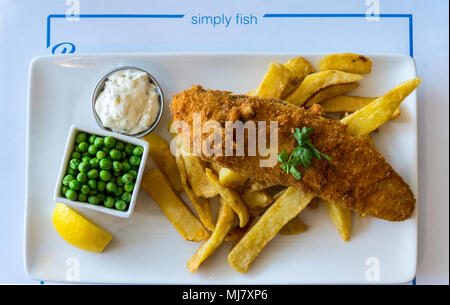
(101, 86)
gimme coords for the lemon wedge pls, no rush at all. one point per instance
(78, 230)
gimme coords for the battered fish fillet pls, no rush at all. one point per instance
(357, 177)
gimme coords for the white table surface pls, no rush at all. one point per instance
(405, 27)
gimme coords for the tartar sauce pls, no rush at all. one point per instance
(129, 104)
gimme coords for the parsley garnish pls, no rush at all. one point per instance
(302, 154)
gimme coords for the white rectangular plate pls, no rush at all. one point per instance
(146, 248)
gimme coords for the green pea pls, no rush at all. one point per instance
(74, 163)
(101, 186)
(92, 138)
(101, 197)
(135, 160)
(93, 192)
(92, 149)
(83, 147)
(138, 150)
(124, 155)
(109, 202)
(81, 137)
(86, 158)
(67, 179)
(105, 175)
(93, 200)
(105, 164)
(64, 189)
(117, 174)
(115, 154)
(129, 149)
(84, 167)
(111, 187)
(75, 185)
(92, 184)
(98, 142)
(119, 181)
(126, 166)
(126, 197)
(85, 189)
(94, 162)
(75, 155)
(82, 177)
(100, 154)
(105, 150)
(119, 191)
(127, 178)
(72, 171)
(86, 154)
(117, 166)
(82, 197)
(120, 145)
(133, 173)
(128, 187)
(71, 195)
(109, 142)
(92, 174)
(120, 205)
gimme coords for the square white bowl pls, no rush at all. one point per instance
(74, 130)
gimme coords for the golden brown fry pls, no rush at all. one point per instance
(330, 92)
(294, 226)
(159, 150)
(346, 103)
(215, 167)
(225, 220)
(201, 205)
(157, 184)
(375, 114)
(348, 62)
(341, 218)
(229, 178)
(300, 68)
(317, 81)
(200, 184)
(289, 205)
(395, 115)
(255, 186)
(278, 195)
(259, 199)
(275, 81)
(230, 197)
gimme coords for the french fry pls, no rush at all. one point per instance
(330, 92)
(348, 62)
(157, 184)
(230, 197)
(300, 68)
(215, 167)
(294, 226)
(201, 205)
(200, 184)
(346, 103)
(259, 199)
(317, 81)
(255, 186)
(289, 205)
(225, 220)
(159, 150)
(375, 114)
(275, 81)
(341, 218)
(279, 194)
(229, 178)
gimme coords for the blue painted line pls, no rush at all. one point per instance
(414, 282)
(409, 16)
(42, 282)
(49, 17)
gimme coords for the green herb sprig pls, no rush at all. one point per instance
(302, 154)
